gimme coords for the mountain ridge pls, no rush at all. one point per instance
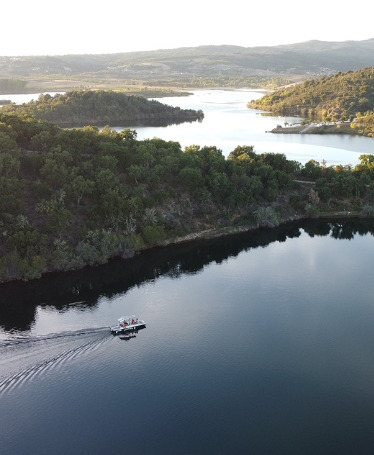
(194, 66)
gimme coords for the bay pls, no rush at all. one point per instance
(255, 343)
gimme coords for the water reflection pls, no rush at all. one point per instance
(83, 289)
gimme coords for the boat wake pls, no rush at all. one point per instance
(24, 359)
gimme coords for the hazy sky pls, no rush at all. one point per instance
(42, 27)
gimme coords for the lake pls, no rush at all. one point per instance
(229, 123)
(258, 343)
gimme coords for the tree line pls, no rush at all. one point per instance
(76, 197)
(80, 108)
(12, 85)
(342, 96)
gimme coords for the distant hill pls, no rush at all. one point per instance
(341, 96)
(194, 66)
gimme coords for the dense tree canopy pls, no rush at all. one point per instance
(75, 197)
(341, 96)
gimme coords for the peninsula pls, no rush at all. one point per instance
(77, 197)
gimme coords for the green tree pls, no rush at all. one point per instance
(243, 153)
(191, 178)
(81, 186)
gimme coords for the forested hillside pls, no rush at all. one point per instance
(81, 108)
(76, 197)
(342, 96)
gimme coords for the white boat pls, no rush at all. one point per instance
(127, 324)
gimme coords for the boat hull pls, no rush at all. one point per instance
(116, 330)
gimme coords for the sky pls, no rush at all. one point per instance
(41, 27)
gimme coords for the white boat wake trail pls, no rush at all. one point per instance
(24, 359)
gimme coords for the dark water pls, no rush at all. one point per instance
(260, 343)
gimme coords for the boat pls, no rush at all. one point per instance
(127, 324)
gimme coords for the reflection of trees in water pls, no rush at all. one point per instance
(165, 122)
(83, 288)
(339, 228)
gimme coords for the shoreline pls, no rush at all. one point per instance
(232, 230)
(207, 235)
(320, 128)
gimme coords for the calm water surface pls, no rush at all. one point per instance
(229, 123)
(260, 343)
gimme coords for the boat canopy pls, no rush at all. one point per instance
(127, 320)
